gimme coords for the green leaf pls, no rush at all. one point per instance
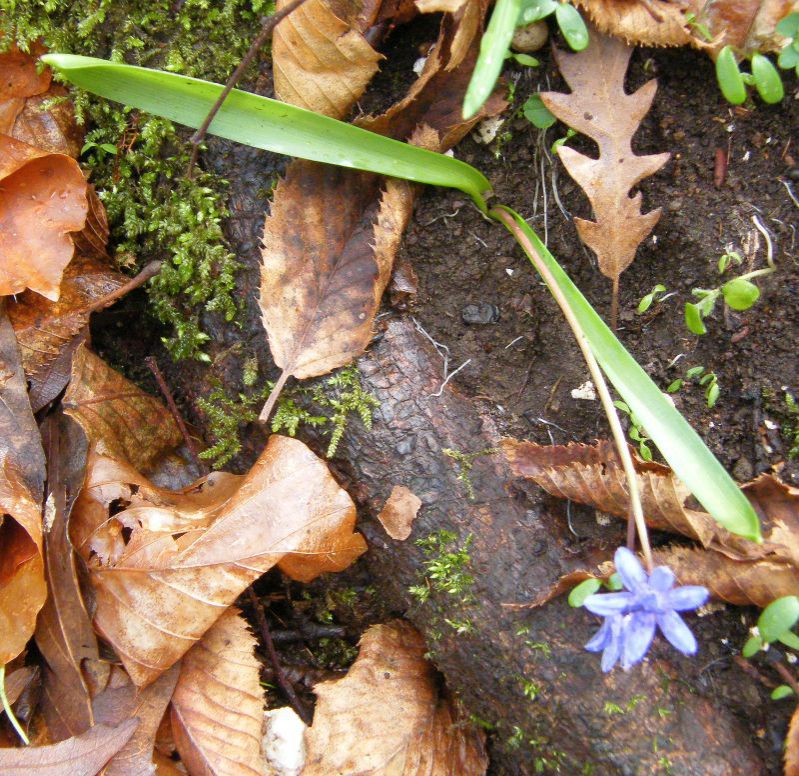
(694, 371)
(525, 59)
(620, 405)
(680, 445)
(789, 25)
(740, 294)
(790, 639)
(572, 26)
(534, 10)
(712, 394)
(753, 645)
(730, 80)
(783, 691)
(537, 113)
(778, 618)
(767, 79)
(614, 582)
(789, 58)
(643, 449)
(269, 124)
(555, 147)
(582, 591)
(675, 386)
(693, 319)
(493, 45)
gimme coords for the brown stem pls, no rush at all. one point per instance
(273, 397)
(268, 26)
(280, 677)
(173, 408)
(789, 678)
(150, 271)
(614, 305)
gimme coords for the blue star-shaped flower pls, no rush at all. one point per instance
(631, 616)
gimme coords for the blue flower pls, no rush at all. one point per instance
(631, 617)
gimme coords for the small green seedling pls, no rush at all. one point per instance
(636, 431)
(709, 380)
(537, 113)
(657, 294)
(522, 59)
(789, 56)
(698, 27)
(775, 623)
(764, 77)
(570, 133)
(728, 258)
(590, 586)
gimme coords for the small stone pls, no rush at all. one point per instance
(480, 314)
(675, 205)
(743, 471)
(586, 391)
(530, 38)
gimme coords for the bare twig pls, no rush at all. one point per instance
(268, 26)
(150, 271)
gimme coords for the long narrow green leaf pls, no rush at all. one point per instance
(269, 124)
(493, 47)
(680, 445)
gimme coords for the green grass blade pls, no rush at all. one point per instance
(680, 445)
(268, 124)
(493, 47)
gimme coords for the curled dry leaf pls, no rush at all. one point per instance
(399, 512)
(42, 200)
(48, 332)
(218, 704)
(83, 755)
(164, 570)
(599, 107)
(121, 701)
(386, 715)
(120, 419)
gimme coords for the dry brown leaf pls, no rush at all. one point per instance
(83, 755)
(386, 716)
(42, 200)
(320, 61)
(399, 512)
(19, 79)
(119, 419)
(792, 746)
(163, 575)
(47, 330)
(92, 242)
(121, 701)
(599, 107)
(218, 704)
(332, 234)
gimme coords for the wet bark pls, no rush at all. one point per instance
(521, 670)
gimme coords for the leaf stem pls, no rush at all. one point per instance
(7, 708)
(596, 375)
(273, 396)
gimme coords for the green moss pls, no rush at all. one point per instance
(138, 162)
(445, 569)
(464, 463)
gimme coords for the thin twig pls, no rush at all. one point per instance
(202, 467)
(273, 396)
(266, 30)
(280, 677)
(150, 271)
(789, 678)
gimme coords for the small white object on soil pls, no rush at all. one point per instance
(586, 391)
(487, 129)
(530, 38)
(284, 742)
(418, 65)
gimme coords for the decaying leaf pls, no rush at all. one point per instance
(220, 673)
(47, 330)
(164, 570)
(83, 755)
(120, 701)
(792, 746)
(399, 512)
(331, 237)
(320, 61)
(120, 419)
(386, 716)
(599, 107)
(42, 200)
(19, 79)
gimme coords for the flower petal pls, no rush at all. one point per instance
(688, 597)
(638, 634)
(601, 638)
(606, 604)
(677, 632)
(630, 570)
(661, 579)
(613, 650)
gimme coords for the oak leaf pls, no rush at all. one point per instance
(42, 200)
(163, 573)
(218, 704)
(119, 419)
(399, 512)
(599, 107)
(386, 715)
(83, 755)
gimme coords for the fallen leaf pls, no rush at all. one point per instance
(91, 243)
(163, 576)
(386, 715)
(120, 701)
(17, 681)
(599, 107)
(218, 704)
(83, 755)
(42, 200)
(19, 79)
(120, 419)
(792, 745)
(399, 512)
(321, 62)
(47, 330)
